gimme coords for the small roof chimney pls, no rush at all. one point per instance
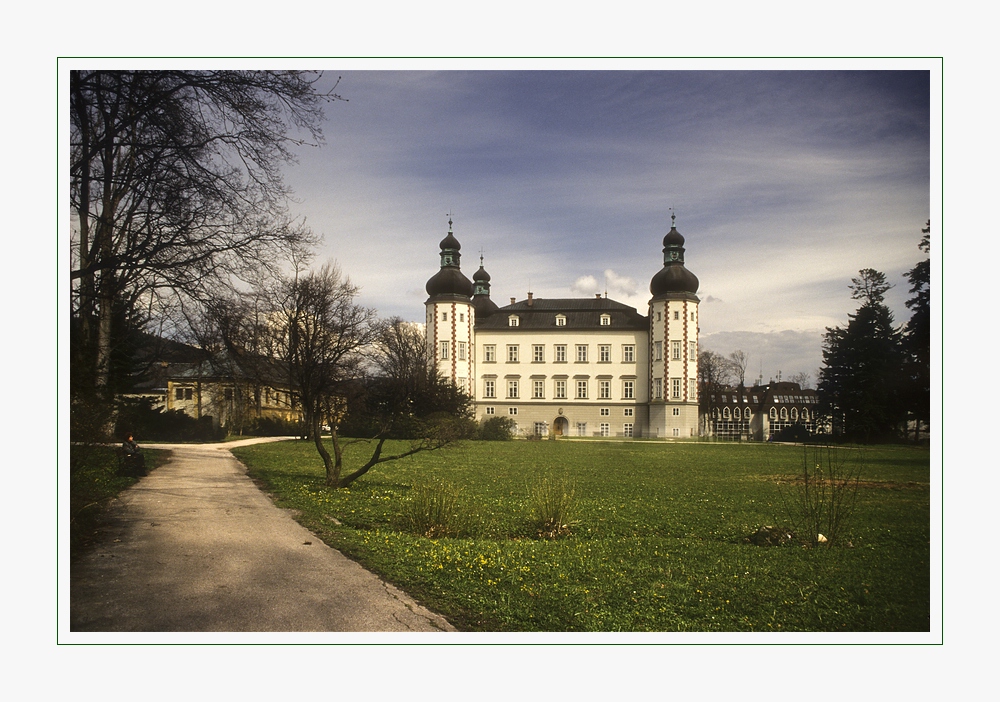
(513, 300)
(531, 299)
(597, 295)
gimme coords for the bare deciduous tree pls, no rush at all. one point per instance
(803, 379)
(738, 361)
(176, 185)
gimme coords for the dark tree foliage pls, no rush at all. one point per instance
(404, 397)
(176, 188)
(861, 382)
(917, 339)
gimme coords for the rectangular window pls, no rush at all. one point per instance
(461, 350)
(693, 390)
(658, 388)
(627, 429)
(560, 321)
(658, 350)
(489, 353)
(677, 411)
(188, 393)
(581, 353)
(461, 317)
(604, 353)
(675, 388)
(512, 321)
(444, 316)
(628, 353)
(538, 389)
(676, 315)
(605, 412)
(512, 353)
(444, 350)
(491, 410)
(675, 350)
(605, 429)
(560, 353)
(541, 429)
(512, 389)
(677, 432)
(538, 353)
(489, 388)
(179, 395)
(581, 389)
(604, 389)
(692, 350)
(628, 389)
(512, 410)
(560, 389)
(605, 320)
(581, 428)
(629, 411)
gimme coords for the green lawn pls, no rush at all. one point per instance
(659, 544)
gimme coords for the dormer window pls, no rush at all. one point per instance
(560, 320)
(513, 321)
(605, 320)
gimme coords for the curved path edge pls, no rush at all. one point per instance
(195, 546)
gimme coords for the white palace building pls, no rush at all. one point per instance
(572, 367)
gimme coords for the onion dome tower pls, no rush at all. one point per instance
(673, 338)
(481, 293)
(450, 316)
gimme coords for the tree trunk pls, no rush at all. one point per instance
(333, 463)
(372, 462)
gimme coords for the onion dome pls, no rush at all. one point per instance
(673, 277)
(481, 276)
(481, 293)
(449, 281)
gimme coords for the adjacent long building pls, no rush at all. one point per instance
(571, 367)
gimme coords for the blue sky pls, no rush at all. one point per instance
(785, 184)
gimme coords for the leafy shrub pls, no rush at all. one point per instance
(553, 506)
(433, 510)
(273, 426)
(147, 423)
(496, 429)
(822, 497)
(793, 433)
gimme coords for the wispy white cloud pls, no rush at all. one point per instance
(785, 185)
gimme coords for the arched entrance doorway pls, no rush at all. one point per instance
(560, 426)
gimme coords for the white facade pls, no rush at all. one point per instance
(450, 325)
(572, 367)
(573, 383)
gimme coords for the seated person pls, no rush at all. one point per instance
(134, 459)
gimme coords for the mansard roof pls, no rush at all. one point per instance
(580, 313)
(773, 394)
